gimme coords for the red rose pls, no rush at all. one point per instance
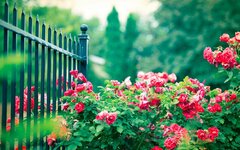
(199, 107)
(201, 134)
(111, 117)
(215, 108)
(224, 38)
(73, 84)
(228, 58)
(68, 92)
(183, 97)
(213, 131)
(218, 99)
(143, 104)
(32, 88)
(79, 107)
(218, 58)
(170, 143)
(189, 114)
(233, 96)
(156, 148)
(154, 102)
(80, 88)
(74, 73)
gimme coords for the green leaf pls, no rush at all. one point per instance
(120, 129)
(233, 120)
(221, 121)
(238, 139)
(72, 147)
(99, 128)
(92, 129)
(230, 75)
(238, 59)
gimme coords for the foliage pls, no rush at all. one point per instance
(155, 111)
(185, 27)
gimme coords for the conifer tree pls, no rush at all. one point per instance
(130, 51)
(114, 47)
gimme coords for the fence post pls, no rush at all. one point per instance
(83, 49)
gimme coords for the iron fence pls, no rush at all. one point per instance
(48, 56)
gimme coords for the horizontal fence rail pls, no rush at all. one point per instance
(31, 91)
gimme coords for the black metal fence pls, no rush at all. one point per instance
(48, 56)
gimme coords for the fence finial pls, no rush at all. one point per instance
(84, 28)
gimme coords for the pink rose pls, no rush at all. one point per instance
(65, 106)
(115, 83)
(172, 77)
(208, 55)
(170, 143)
(111, 117)
(237, 36)
(224, 38)
(102, 115)
(79, 107)
(51, 139)
(81, 77)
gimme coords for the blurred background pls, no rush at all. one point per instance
(127, 36)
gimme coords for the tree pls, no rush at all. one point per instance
(130, 52)
(114, 47)
(189, 26)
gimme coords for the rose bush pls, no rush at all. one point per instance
(155, 112)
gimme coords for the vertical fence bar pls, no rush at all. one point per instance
(21, 79)
(54, 93)
(36, 77)
(69, 60)
(29, 82)
(49, 73)
(64, 63)
(4, 83)
(83, 39)
(48, 76)
(60, 73)
(13, 79)
(74, 51)
(42, 83)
